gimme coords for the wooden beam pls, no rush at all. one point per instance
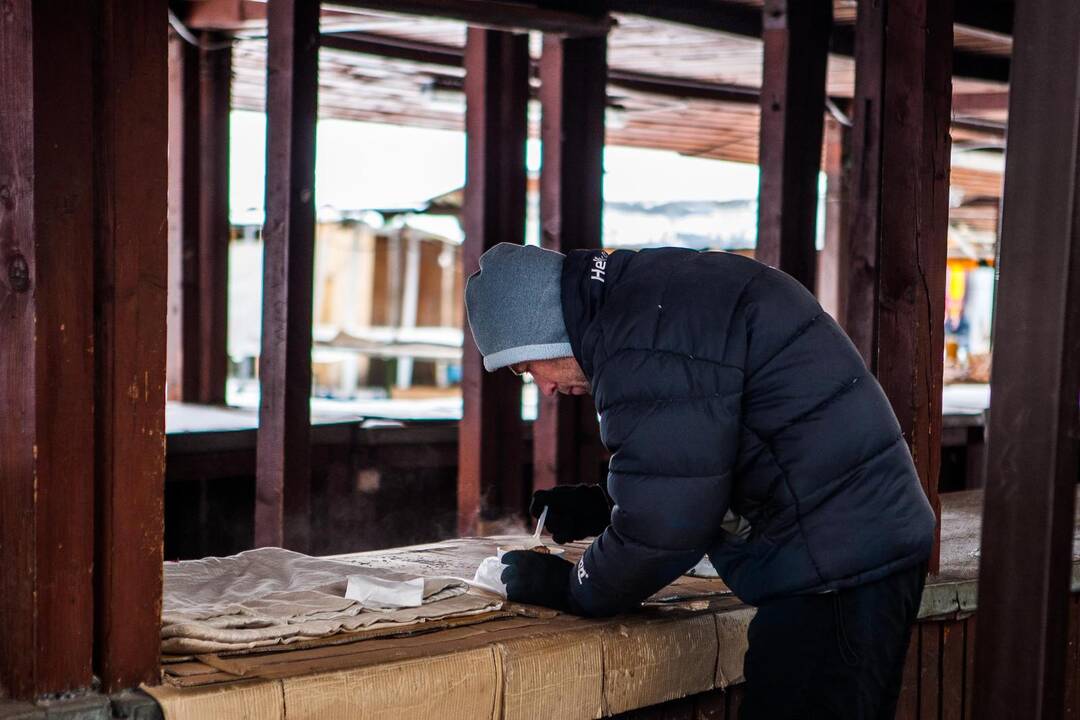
(215, 79)
(566, 445)
(500, 14)
(490, 485)
(995, 16)
(283, 478)
(129, 344)
(224, 15)
(1034, 439)
(683, 88)
(899, 229)
(46, 356)
(832, 279)
(740, 18)
(728, 16)
(453, 56)
(981, 101)
(397, 48)
(796, 40)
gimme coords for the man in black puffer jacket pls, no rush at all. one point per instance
(721, 386)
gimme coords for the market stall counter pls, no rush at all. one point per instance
(483, 657)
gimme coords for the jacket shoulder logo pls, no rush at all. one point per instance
(599, 267)
(581, 574)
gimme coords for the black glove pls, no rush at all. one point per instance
(577, 511)
(537, 579)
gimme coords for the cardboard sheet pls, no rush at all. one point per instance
(652, 662)
(245, 700)
(731, 644)
(556, 666)
(461, 685)
(553, 676)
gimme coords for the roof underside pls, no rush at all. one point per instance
(358, 86)
(395, 90)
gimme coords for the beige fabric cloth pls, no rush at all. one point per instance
(273, 596)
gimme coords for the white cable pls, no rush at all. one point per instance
(189, 37)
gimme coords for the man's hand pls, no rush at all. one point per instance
(577, 511)
(537, 579)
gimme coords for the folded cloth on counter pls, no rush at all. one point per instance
(272, 596)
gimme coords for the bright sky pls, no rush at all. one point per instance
(369, 165)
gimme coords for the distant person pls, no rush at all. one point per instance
(721, 385)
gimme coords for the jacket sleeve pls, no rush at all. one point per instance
(670, 478)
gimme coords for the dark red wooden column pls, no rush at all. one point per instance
(183, 312)
(199, 103)
(490, 484)
(573, 94)
(900, 205)
(795, 34)
(130, 144)
(1034, 441)
(215, 83)
(832, 265)
(46, 352)
(283, 476)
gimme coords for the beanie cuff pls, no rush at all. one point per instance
(525, 353)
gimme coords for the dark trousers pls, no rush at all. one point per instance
(832, 655)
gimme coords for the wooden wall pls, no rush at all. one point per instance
(371, 488)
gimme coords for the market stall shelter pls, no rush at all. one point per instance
(84, 287)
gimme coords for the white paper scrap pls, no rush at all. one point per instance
(376, 592)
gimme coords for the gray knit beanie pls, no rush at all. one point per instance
(515, 307)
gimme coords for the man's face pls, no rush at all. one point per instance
(560, 375)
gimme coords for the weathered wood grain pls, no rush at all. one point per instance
(282, 507)
(46, 359)
(490, 485)
(795, 36)
(1033, 447)
(131, 176)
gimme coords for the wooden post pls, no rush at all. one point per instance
(130, 144)
(1034, 451)
(46, 355)
(896, 300)
(861, 313)
(573, 94)
(795, 34)
(283, 474)
(832, 275)
(182, 366)
(490, 445)
(215, 81)
(200, 81)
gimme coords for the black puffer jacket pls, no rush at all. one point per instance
(721, 383)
